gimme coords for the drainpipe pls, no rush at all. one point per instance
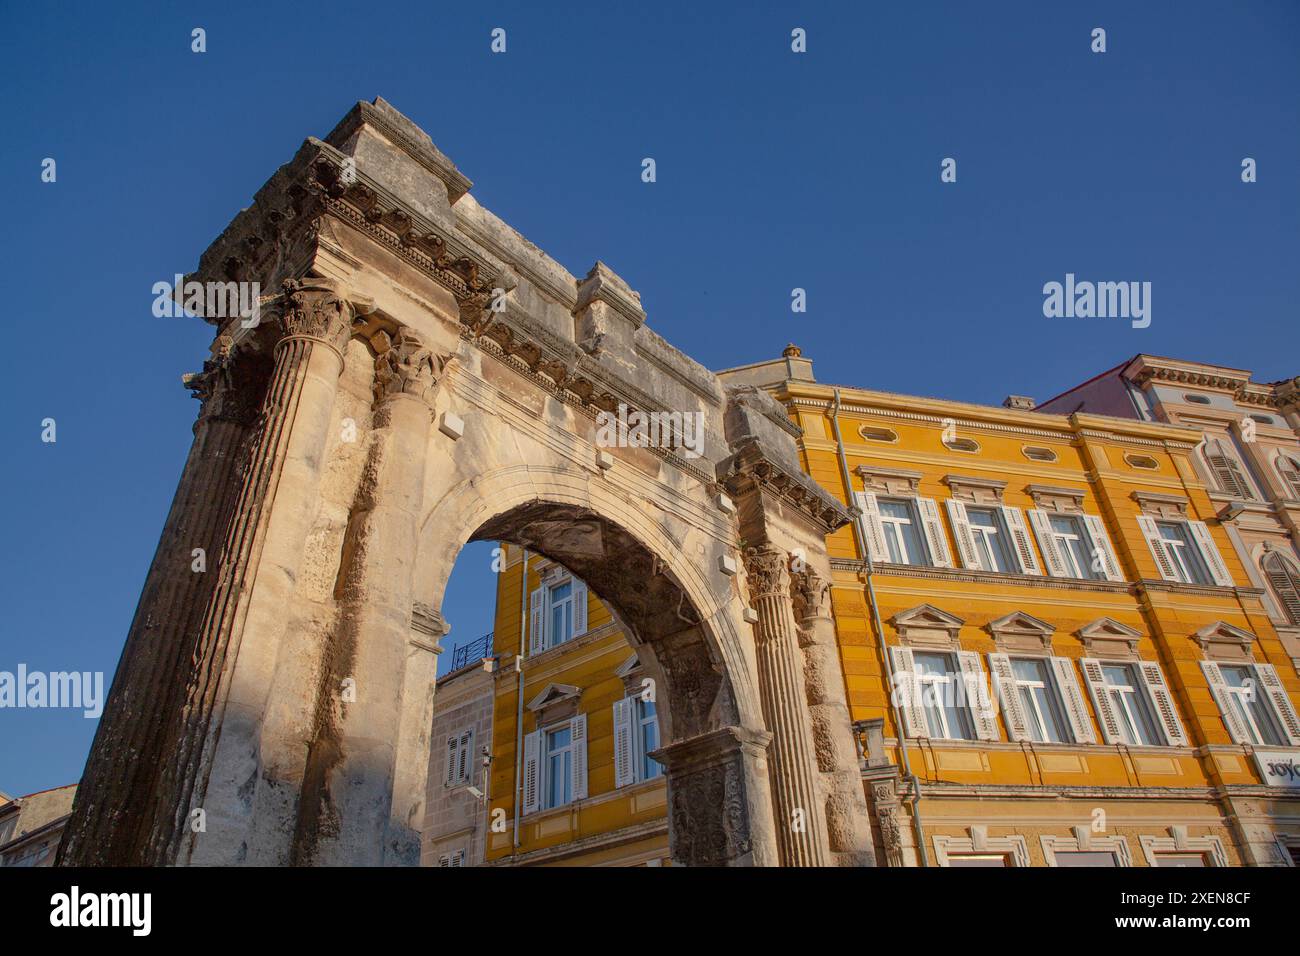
(519, 712)
(860, 534)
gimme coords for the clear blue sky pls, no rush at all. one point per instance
(775, 171)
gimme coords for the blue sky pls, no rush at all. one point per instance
(775, 171)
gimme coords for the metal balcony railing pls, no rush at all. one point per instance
(471, 652)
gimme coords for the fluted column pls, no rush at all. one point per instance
(238, 742)
(800, 825)
(363, 796)
(141, 720)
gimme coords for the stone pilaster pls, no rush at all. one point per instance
(363, 794)
(141, 721)
(800, 823)
(718, 799)
(242, 745)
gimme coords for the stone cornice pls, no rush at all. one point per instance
(748, 468)
(395, 129)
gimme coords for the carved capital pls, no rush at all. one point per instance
(229, 387)
(768, 572)
(809, 590)
(320, 309)
(405, 367)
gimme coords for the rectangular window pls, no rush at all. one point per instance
(1184, 553)
(1040, 701)
(460, 759)
(1180, 859)
(1129, 701)
(943, 696)
(557, 764)
(1246, 701)
(990, 538)
(560, 610)
(648, 738)
(978, 859)
(1073, 544)
(902, 532)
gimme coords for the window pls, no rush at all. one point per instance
(1262, 419)
(452, 859)
(1285, 581)
(1038, 453)
(555, 765)
(968, 445)
(636, 736)
(557, 769)
(1254, 704)
(902, 537)
(943, 696)
(872, 433)
(1196, 399)
(1128, 703)
(1072, 545)
(558, 613)
(1186, 557)
(1038, 697)
(990, 537)
(1226, 469)
(1288, 468)
(998, 860)
(1142, 461)
(460, 759)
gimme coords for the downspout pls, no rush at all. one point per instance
(860, 535)
(519, 712)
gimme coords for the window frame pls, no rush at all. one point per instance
(544, 768)
(913, 520)
(1137, 692)
(1051, 691)
(1185, 552)
(951, 678)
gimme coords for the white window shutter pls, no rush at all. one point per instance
(1093, 674)
(579, 607)
(444, 860)
(871, 526)
(1163, 701)
(1076, 711)
(532, 771)
(935, 539)
(624, 764)
(1047, 543)
(1237, 729)
(1159, 551)
(1004, 682)
(537, 621)
(1281, 701)
(1020, 546)
(1227, 470)
(458, 858)
(978, 702)
(1210, 552)
(962, 533)
(1102, 548)
(578, 738)
(907, 691)
(453, 744)
(464, 748)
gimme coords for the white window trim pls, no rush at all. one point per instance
(1084, 841)
(1199, 534)
(540, 616)
(1179, 842)
(1284, 843)
(460, 762)
(629, 743)
(1013, 846)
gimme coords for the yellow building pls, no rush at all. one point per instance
(590, 794)
(1043, 608)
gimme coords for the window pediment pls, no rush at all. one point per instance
(977, 491)
(1108, 638)
(889, 481)
(1021, 632)
(1055, 498)
(555, 702)
(927, 626)
(1222, 641)
(1157, 505)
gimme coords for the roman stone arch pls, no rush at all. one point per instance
(419, 375)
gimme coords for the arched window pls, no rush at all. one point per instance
(1288, 469)
(1285, 580)
(1227, 470)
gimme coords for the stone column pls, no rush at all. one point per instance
(800, 825)
(240, 740)
(848, 829)
(141, 719)
(719, 799)
(363, 795)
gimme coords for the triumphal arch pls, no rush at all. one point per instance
(420, 375)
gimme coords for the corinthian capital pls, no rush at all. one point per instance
(768, 572)
(320, 309)
(405, 367)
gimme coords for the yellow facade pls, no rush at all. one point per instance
(1158, 799)
(612, 825)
